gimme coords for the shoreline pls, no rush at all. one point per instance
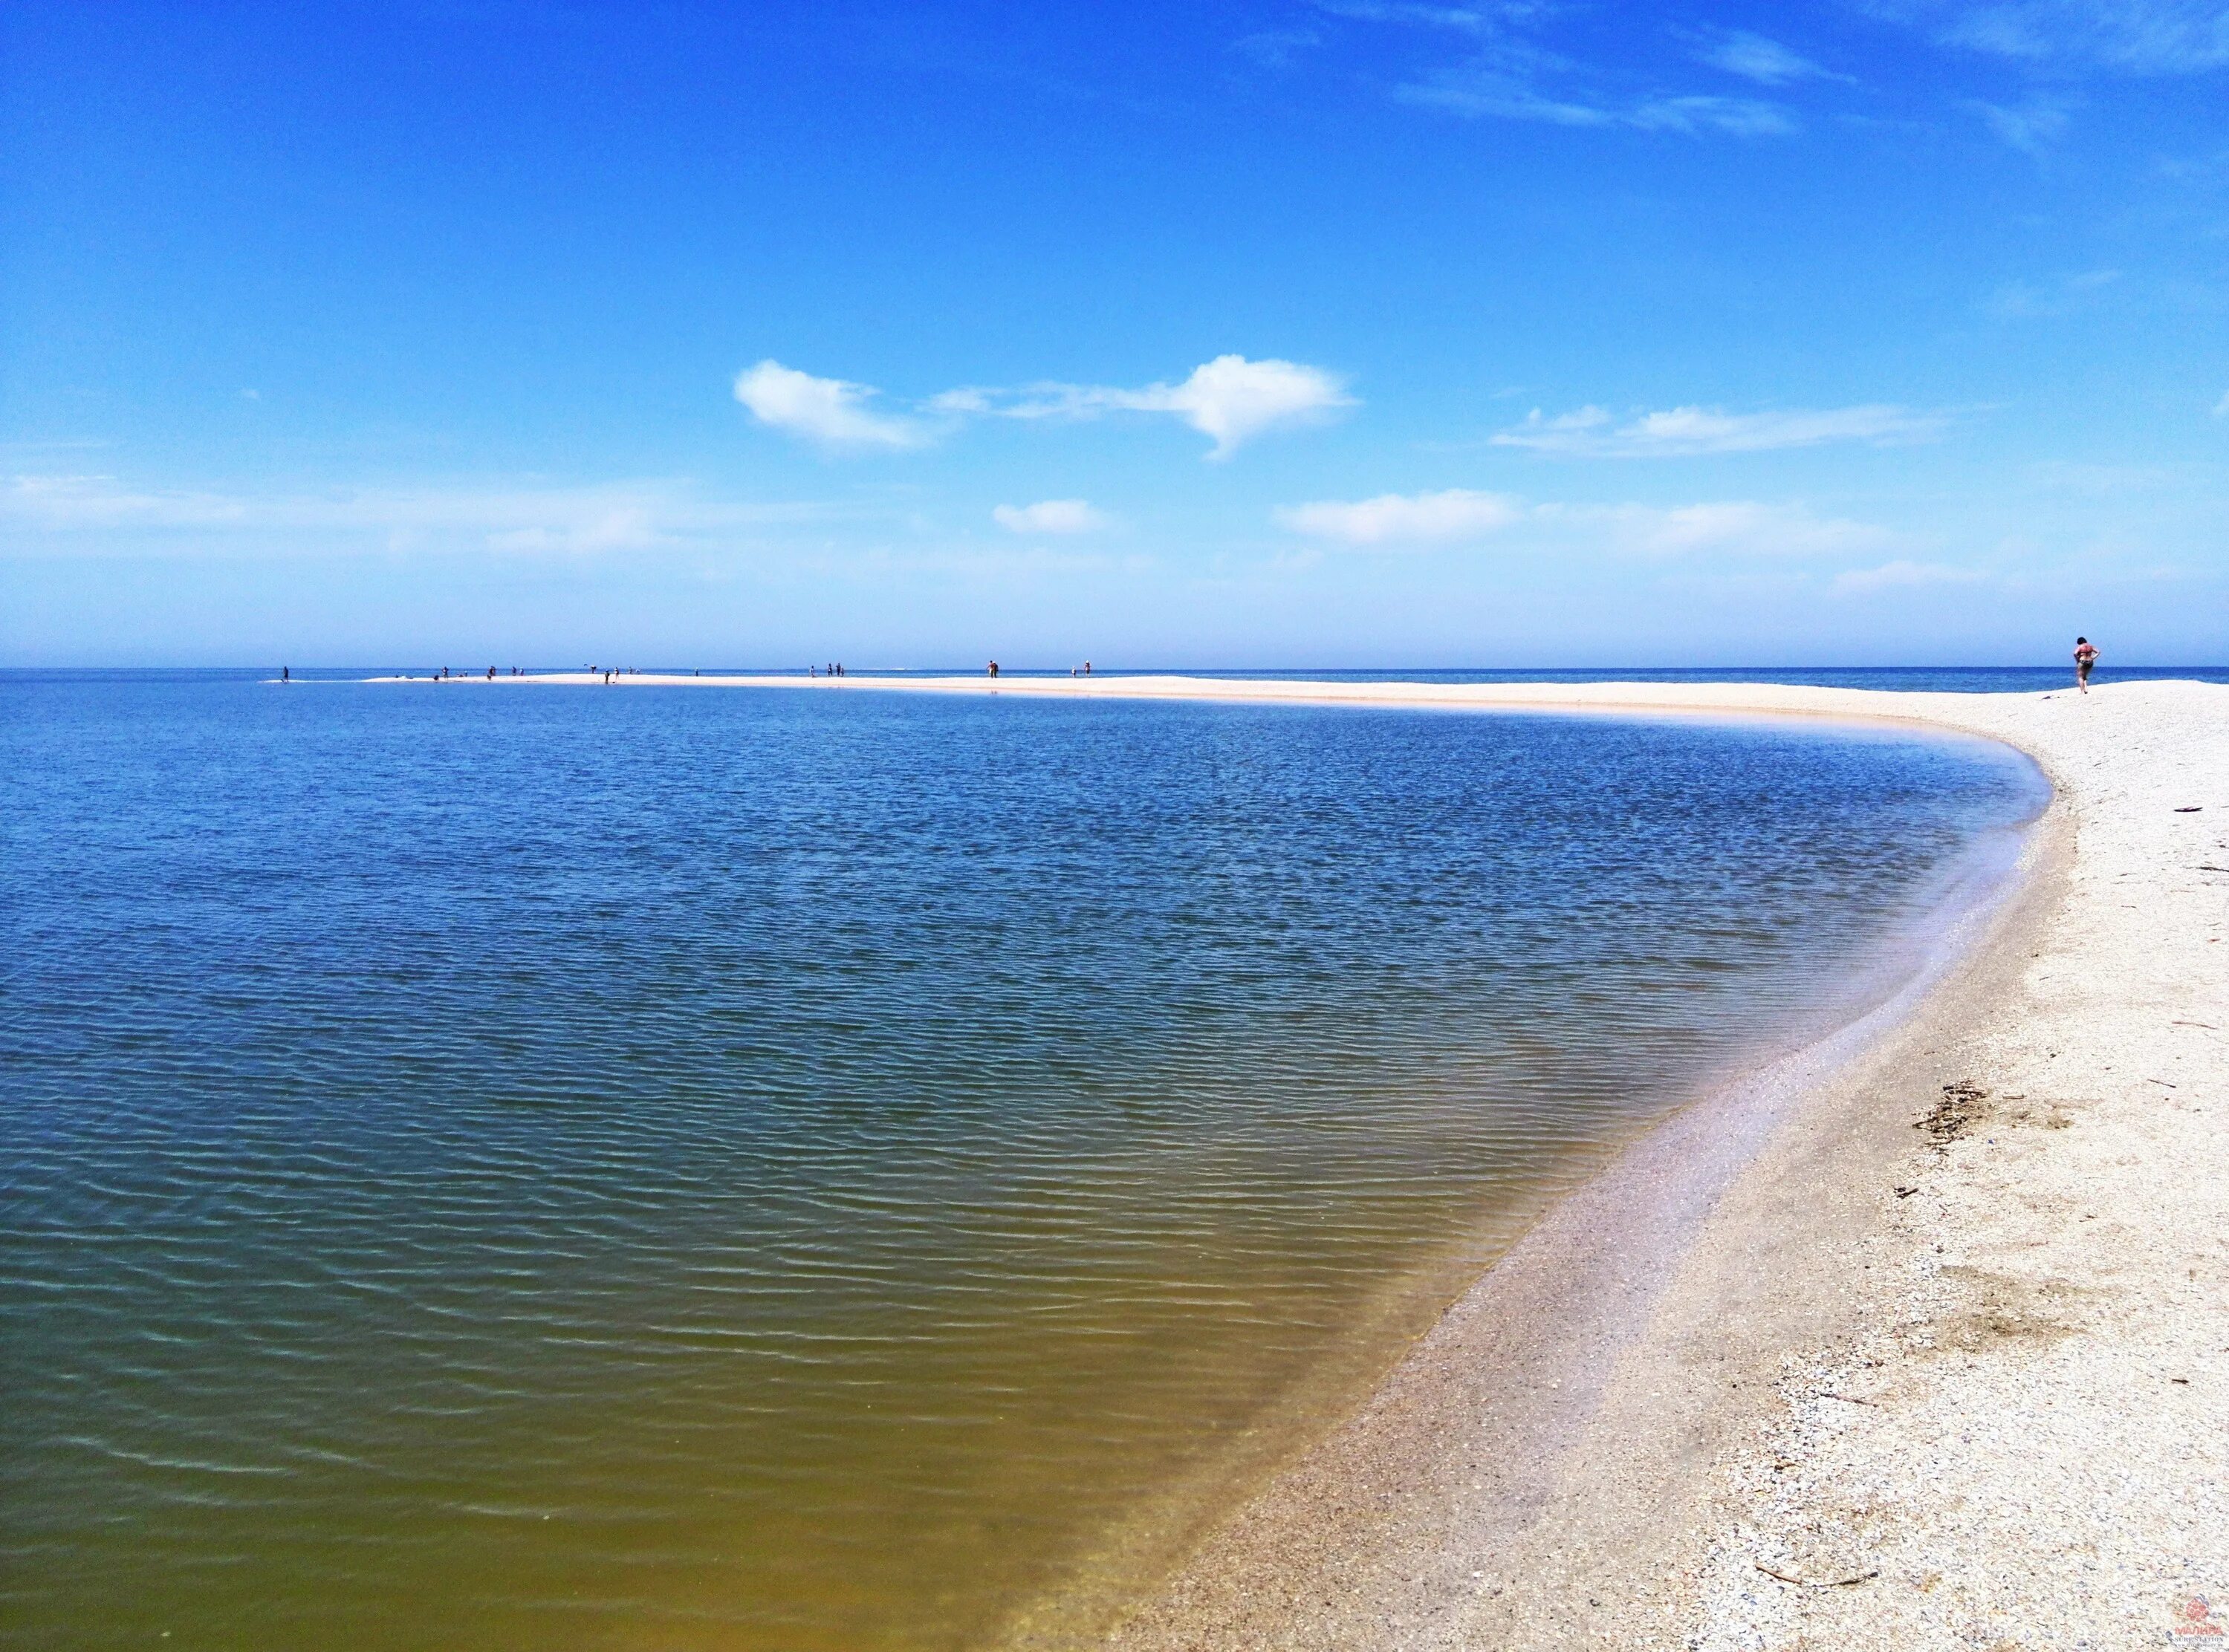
(1932, 1366)
(1519, 1461)
(1581, 1261)
(1927, 1357)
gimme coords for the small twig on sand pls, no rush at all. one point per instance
(2163, 1083)
(2208, 1025)
(1849, 1400)
(1812, 1583)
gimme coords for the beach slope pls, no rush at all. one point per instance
(1923, 1343)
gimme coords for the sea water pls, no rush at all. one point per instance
(769, 1169)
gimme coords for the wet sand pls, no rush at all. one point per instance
(1920, 1338)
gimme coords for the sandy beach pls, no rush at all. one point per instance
(1917, 1339)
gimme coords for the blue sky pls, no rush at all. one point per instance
(1291, 334)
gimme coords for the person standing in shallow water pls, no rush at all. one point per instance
(2085, 656)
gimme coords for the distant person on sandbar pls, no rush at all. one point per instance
(2085, 656)
(286, 674)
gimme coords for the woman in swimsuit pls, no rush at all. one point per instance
(2085, 657)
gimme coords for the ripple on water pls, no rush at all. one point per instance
(798, 1171)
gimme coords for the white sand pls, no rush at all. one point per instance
(1797, 1375)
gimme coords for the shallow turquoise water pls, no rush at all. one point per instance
(767, 1169)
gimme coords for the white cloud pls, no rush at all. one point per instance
(1049, 516)
(1395, 518)
(1230, 399)
(1593, 433)
(2222, 407)
(1900, 575)
(1766, 62)
(831, 411)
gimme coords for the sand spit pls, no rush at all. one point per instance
(1919, 1340)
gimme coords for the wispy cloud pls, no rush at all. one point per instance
(2029, 127)
(97, 510)
(832, 412)
(622, 528)
(1231, 400)
(1739, 117)
(1049, 516)
(1507, 97)
(74, 502)
(1507, 73)
(1468, 20)
(2222, 407)
(1677, 432)
(1766, 62)
(1903, 574)
(1740, 527)
(1393, 519)
(2046, 300)
(2131, 36)
(1276, 48)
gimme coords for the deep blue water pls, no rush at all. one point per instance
(767, 1169)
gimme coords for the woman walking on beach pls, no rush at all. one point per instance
(2085, 656)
